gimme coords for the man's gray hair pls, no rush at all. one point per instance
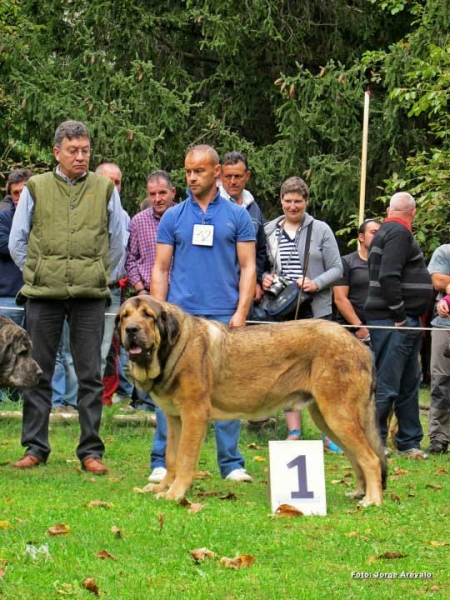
(101, 168)
(70, 130)
(160, 174)
(402, 202)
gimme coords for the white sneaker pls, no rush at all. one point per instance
(238, 475)
(157, 475)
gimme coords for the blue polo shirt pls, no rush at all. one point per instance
(204, 280)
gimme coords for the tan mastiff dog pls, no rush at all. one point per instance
(198, 370)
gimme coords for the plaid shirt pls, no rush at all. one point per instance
(141, 250)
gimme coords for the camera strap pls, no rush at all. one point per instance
(305, 267)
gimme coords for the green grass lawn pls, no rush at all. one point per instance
(303, 557)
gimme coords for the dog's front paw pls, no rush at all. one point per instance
(370, 502)
(355, 495)
(154, 487)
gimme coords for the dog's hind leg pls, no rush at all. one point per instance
(350, 425)
(320, 422)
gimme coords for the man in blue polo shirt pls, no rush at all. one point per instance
(207, 244)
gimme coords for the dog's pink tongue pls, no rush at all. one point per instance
(136, 350)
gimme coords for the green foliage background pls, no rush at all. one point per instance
(283, 81)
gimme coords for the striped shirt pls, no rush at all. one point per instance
(291, 265)
(141, 250)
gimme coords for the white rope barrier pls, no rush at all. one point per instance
(110, 314)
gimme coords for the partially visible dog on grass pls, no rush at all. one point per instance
(17, 368)
(199, 370)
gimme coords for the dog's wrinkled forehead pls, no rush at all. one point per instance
(144, 306)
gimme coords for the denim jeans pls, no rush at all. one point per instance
(64, 381)
(45, 321)
(398, 380)
(227, 435)
(10, 309)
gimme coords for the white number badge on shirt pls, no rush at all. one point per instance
(203, 235)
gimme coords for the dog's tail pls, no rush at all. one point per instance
(372, 433)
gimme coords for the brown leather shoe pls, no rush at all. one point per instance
(28, 462)
(94, 465)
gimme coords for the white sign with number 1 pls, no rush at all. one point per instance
(297, 476)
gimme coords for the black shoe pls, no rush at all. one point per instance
(437, 447)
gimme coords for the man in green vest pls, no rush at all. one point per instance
(67, 235)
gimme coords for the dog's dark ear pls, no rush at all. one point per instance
(169, 329)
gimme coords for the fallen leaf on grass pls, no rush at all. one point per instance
(433, 486)
(208, 493)
(90, 584)
(259, 458)
(342, 481)
(442, 471)
(438, 544)
(244, 561)
(201, 553)
(104, 554)
(356, 534)
(2, 573)
(161, 521)
(229, 496)
(58, 529)
(254, 446)
(99, 504)
(395, 498)
(191, 506)
(116, 531)
(399, 472)
(286, 510)
(391, 555)
(203, 475)
(435, 588)
(5, 525)
(143, 490)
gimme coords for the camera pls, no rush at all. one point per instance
(279, 284)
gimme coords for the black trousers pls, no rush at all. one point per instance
(45, 320)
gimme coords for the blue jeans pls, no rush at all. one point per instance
(17, 315)
(227, 434)
(64, 380)
(11, 310)
(125, 388)
(398, 380)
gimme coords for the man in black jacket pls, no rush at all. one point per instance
(399, 292)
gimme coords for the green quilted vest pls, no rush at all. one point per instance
(68, 247)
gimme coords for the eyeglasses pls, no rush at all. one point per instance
(75, 151)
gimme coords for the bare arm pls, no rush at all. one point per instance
(247, 282)
(347, 311)
(159, 282)
(440, 282)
